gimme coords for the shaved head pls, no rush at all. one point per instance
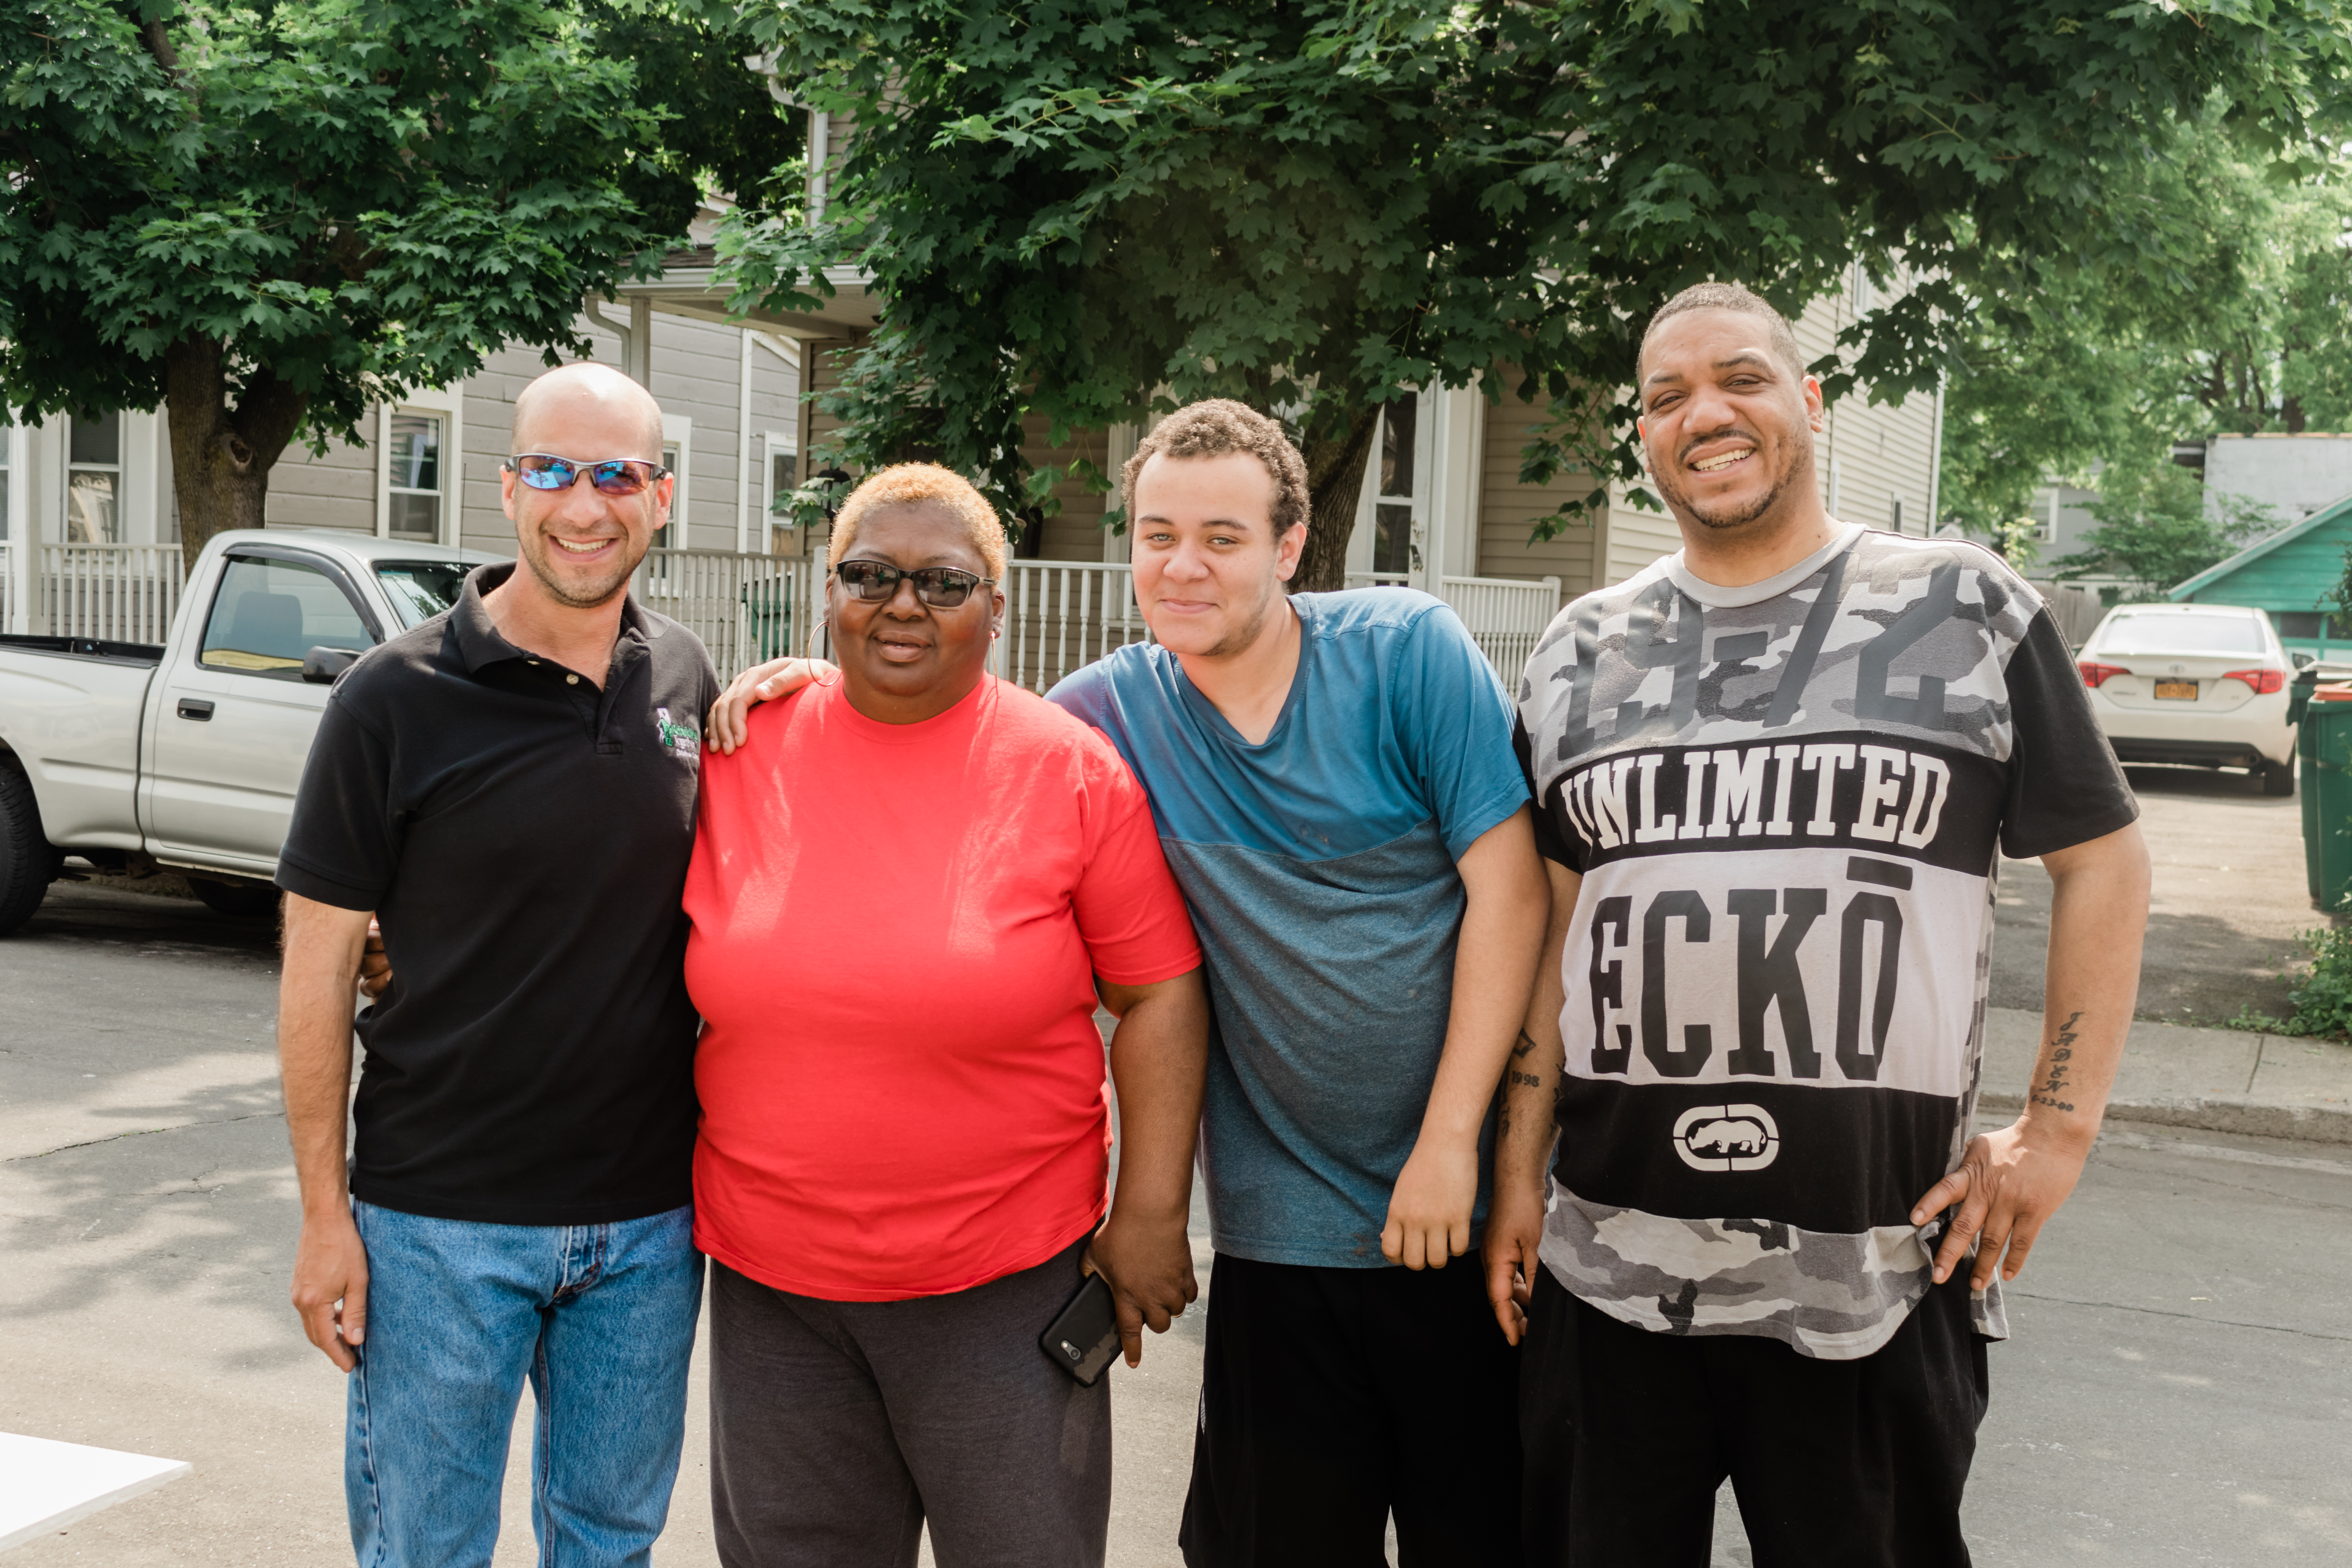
(558, 399)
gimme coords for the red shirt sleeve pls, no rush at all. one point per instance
(1130, 912)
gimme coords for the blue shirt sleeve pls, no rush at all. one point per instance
(1454, 722)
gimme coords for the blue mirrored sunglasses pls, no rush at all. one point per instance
(613, 476)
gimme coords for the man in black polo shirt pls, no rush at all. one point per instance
(509, 788)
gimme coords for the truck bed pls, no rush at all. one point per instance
(142, 653)
(70, 709)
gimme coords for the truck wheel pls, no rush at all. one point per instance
(2278, 778)
(27, 864)
(241, 901)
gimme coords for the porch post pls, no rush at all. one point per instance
(1437, 409)
(743, 467)
(24, 532)
(637, 352)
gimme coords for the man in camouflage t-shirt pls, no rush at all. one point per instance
(1773, 773)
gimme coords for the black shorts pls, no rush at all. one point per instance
(1837, 1464)
(1333, 1397)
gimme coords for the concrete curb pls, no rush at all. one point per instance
(2255, 1118)
(2222, 1080)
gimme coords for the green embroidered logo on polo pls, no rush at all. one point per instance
(681, 739)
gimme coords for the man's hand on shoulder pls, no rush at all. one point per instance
(331, 1283)
(761, 683)
(1429, 1211)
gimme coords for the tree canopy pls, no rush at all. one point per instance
(274, 218)
(1085, 209)
(2245, 327)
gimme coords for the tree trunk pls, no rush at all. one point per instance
(221, 456)
(1335, 478)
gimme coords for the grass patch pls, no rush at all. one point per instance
(2323, 1003)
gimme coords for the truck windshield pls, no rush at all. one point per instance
(420, 590)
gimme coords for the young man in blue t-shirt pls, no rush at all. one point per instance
(1335, 787)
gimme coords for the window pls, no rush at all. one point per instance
(420, 590)
(94, 481)
(2232, 632)
(1392, 545)
(677, 456)
(414, 498)
(669, 459)
(268, 614)
(783, 477)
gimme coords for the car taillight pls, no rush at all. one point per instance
(2263, 681)
(2094, 673)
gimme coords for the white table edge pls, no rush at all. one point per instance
(83, 1511)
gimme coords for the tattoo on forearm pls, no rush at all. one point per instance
(1526, 1079)
(1525, 1045)
(2062, 1059)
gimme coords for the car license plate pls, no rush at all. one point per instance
(2176, 691)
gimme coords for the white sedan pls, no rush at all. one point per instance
(2204, 685)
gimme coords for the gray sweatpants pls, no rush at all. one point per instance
(837, 1427)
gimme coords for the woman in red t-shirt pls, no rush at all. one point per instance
(910, 888)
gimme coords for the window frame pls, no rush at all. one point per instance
(281, 556)
(1416, 499)
(677, 430)
(448, 405)
(115, 470)
(774, 444)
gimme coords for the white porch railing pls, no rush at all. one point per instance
(1059, 615)
(119, 592)
(746, 608)
(1506, 616)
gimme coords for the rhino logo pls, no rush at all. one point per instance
(1726, 1137)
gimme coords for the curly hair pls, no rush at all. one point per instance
(1216, 425)
(915, 484)
(1727, 297)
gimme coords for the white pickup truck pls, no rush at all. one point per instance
(131, 757)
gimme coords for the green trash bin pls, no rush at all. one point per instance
(768, 616)
(2324, 747)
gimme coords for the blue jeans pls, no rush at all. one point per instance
(599, 1317)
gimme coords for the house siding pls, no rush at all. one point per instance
(1881, 450)
(1507, 510)
(1075, 531)
(2297, 576)
(697, 373)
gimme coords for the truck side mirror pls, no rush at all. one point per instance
(2303, 660)
(322, 665)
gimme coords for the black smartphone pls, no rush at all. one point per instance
(1083, 1338)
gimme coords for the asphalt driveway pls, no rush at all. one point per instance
(2229, 903)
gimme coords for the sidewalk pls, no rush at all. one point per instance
(2224, 1081)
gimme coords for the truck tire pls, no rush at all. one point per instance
(239, 900)
(2278, 778)
(27, 863)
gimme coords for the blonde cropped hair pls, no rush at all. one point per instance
(918, 484)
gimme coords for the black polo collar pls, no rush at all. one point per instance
(480, 642)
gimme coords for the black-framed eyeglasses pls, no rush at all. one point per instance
(942, 587)
(611, 477)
